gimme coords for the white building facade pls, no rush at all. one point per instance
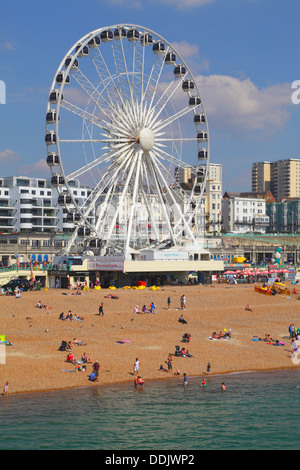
(244, 214)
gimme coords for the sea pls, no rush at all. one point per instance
(257, 411)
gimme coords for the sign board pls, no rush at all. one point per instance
(163, 255)
(105, 266)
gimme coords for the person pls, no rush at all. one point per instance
(140, 381)
(203, 383)
(101, 309)
(182, 320)
(223, 386)
(96, 367)
(169, 302)
(183, 301)
(169, 362)
(248, 307)
(291, 330)
(136, 367)
(294, 346)
(152, 307)
(5, 391)
(208, 368)
(185, 382)
(93, 377)
(144, 309)
(136, 309)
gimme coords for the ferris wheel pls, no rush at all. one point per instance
(125, 118)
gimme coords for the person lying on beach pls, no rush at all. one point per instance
(110, 296)
(40, 305)
(248, 308)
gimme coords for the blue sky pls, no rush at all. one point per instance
(243, 54)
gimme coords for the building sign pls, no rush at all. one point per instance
(105, 266)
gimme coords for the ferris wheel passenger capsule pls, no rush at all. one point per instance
(120, 33)
(199, 119)
(83, 51)
(51, 116)
(170, 58)
(69, 60)
(54, 96)
(194, 101)
(73, 217)
(202, 136)
(57, 180)
(146, 39)
(84, 232)
(179, 70)
(133, 35)
(107, 35)
(62, 77)
(52, 159)
(202, 154)
(50, 138)
(94, 42)
(188, 85)
(158, 47)
(64, 200)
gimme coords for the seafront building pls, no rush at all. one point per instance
(31, 205)
(242, 213)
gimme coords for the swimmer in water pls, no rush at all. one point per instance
(223, 386)
(203, 384)
(185, 382)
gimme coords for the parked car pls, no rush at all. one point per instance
(22, 284)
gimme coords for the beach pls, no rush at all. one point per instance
(35, 363)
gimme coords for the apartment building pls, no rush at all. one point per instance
(31, 205)
(281, 177)
(244, 214)
(213, 199)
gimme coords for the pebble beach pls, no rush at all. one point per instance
(34, 363)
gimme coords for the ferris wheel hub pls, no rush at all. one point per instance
(146, 139)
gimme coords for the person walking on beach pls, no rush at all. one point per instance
(96, 367)
(136, 367)
(5, 391)
(169, 302)
(208, 368)
(101, 313)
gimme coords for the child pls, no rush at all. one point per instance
(5, 392)
(185, 382)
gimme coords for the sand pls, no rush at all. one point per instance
(34, 362)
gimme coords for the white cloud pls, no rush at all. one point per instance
(39, 168)
(190, 53)
(239, 106)
(8, 156)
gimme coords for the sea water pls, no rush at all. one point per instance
(257, 411)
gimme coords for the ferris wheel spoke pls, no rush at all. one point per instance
(122, 197)
(106, 78)
(170, 158)
(159, 190)
(181, 215)
(133, 201)
(172, 118)
(117, 172)
(93, 92)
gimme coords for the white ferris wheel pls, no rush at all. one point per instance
(126, 118)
